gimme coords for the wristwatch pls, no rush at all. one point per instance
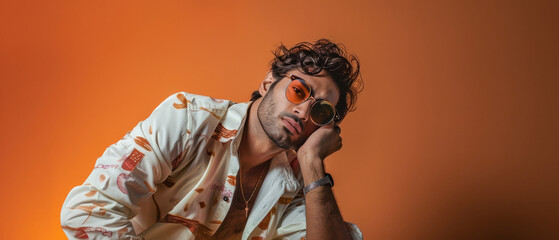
(325, 181)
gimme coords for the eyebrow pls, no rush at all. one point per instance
(297, 77)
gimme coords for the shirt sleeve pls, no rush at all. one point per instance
(126, 174)
(292, 225)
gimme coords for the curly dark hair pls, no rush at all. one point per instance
(312, 58)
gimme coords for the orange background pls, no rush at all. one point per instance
(455, 136)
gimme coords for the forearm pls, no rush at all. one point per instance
(323, 217)
(87, 212)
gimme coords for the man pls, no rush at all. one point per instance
(202, 168)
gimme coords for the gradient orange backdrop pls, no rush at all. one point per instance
(455, 136)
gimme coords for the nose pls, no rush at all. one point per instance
(302, 110)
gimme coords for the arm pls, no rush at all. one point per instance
(293, 224)
(324, 220)
(126, 175)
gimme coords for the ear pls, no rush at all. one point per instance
(265, 85)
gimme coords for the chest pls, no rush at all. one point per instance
(235, 220)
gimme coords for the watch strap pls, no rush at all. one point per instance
(325, 181)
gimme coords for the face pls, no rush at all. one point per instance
(288, 124)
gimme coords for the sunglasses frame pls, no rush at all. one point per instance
(336, 117)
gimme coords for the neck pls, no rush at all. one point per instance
(255, 148)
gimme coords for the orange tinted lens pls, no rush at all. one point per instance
(297, 91)
(322, 113)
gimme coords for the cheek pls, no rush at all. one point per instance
(279, 97)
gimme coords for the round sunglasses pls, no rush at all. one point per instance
(298, 91)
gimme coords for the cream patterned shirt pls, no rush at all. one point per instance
(173, 177)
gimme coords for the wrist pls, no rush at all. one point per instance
(327, 180)
(312, 168)
(308, 155)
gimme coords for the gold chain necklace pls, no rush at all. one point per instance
(253, 190)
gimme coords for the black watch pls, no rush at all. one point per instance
(325, 181)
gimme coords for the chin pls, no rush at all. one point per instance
(281, 138)
(289, 143)
(281, 141)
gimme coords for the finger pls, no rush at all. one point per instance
(338, 129)
(337, 147)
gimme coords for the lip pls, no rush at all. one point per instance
(292, 125)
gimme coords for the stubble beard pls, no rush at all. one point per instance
(265, 114)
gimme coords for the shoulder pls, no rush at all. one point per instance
(199, 114)
(182, 113)
(194, 102)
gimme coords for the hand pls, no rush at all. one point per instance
(321, 143)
